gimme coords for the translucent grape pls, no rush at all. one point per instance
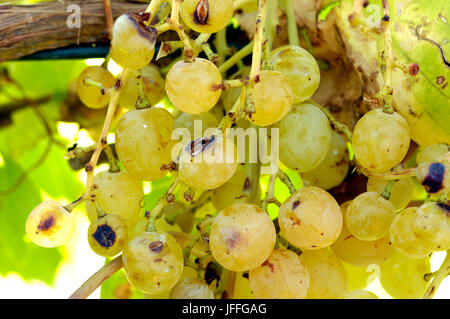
(107, 235)
(227, 194)
(192, 86)
(191, 289)
(310, 218)
(272, 97)
(401, 193)
(431, 225)
(242, 288)
(369, 216)
(117, 194)
(91, 95)
(327, 276)
(432, 153)
(133, 42)
(434, 176)
(203, 121)
(153, 86)
(208, 162)
(360, 294)
(49, 224)
(144, 143)
(206, 16)
(402, 236)
(282, 276)
(242, 237)
(403, 277)
(305, 137)
(300, 67)
(380, 140)
(357, 277)
(153, 262)
(332, 170)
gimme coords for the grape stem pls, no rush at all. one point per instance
(291, 23)
(113, 166)
(258, 41)
(238, 56)
(98, 278)
(335, 125)
(109, 18)
(439, 276)
(270, 196)
(220, 42)
(392, 175)
(388, 190)
(286, 180)
(152, 9)
(386, 92)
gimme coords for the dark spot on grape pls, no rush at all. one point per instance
(144, 30)
(105, 236)
(201, 13)
(46, 224)
(270, 265)
(147, 214)
(102, 91)
(386, 18)
(245, 275)
(247, 183)
(117, 84)
(73, 147)
(433, 181)
(233, 239)
(156, 246)
(295, 204)
(211, 273)
(200, 145)
(444, 207)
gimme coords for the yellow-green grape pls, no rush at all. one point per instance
(91, 95)
(310, 218)
(144, 143)
(431, 225)
(432, 153)
(194, 87)
(327, 276)
(200, 121)
(334, 167)
(153, 262)
(403, 277)
(242, 288)
(401, 193)
(191, 289)
(403, 238)
(107, 235)
(282, 276)
(380, 140)
(434, 176)
(242, 237)
(184, 218)
(117, 193)
(153, 86)
(360, 252)
(369, 216)
(305, 137)
(300, 67)
(133, 42)
(357, 277)
(206, 16)
(227, 194)
(208, 162)
(50, 224)
(360, 294)
(272, 97)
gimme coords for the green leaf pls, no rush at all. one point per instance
(17, 253)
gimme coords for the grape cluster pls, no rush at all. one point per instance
(212, 220)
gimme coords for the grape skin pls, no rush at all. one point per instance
(432, 153)
(153, 262)
(357, 277)
(90, 95)
(242, 237)
(310, 218)
(107, 235)
(305, 137)
(144, 143)
(328, 278)
(401, 193)
(117, 193)
(242, 288)
(332, 171)
(360, 294)
(369, 216)
(403, 277)
(282, 276)
(300, 67)
(431, 225)
(191, 289)
(210, 168)
(402, 236)
(186, 120)
(219, 14)
(380, 140)
(191, 87)
(272, 97)
(434, 176)
(49, 224)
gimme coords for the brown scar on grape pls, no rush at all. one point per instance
(270, 265)
(295, 204)
(156, 246)
(144, 30)
(201, 13)
(104, 235)
(433, 181)
(200, 145)
(445, 207)
(233, 240)
(46, 223)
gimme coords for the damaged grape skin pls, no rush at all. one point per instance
(310, 218)
(153, 262)
(49, 224)
(206, 16)
(242, 237)
(434, 176)
(107, 235)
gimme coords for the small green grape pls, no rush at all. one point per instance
(431, 225)
(92, 96)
